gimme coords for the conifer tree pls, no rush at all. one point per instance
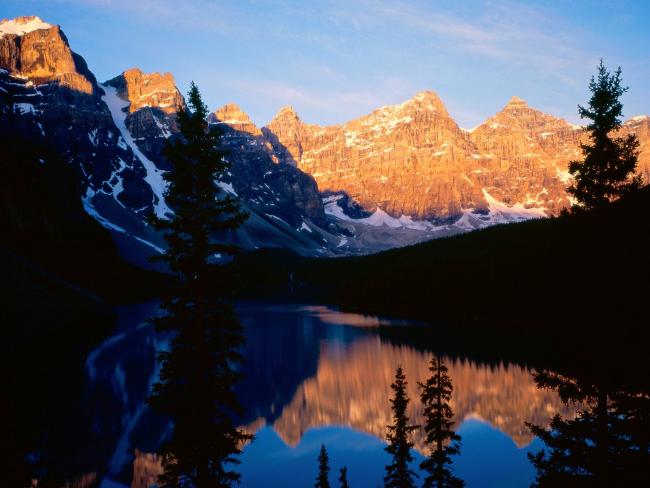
(606, 444)
(343, 477)
(322, 480)
(440, 436)
(399, 473)
(606, 171)
(198, 372)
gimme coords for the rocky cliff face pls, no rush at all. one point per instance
(522, 156)
(269, 185)
(272, 189)
(154, 101)
(413, 160)
(48, 93)
(112, 136)
(406, 159)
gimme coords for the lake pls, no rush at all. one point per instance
(312, 376)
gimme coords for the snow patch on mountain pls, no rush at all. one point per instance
(22, 25)
(227, 187)
(304, 226)
(379, 218)
(90, 209)
(25, 108)
(154, 176)
(514, 212)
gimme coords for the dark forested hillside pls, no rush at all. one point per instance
(572, 269)
(44, 224)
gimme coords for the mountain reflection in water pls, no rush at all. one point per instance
(308, 370)
(351, 387)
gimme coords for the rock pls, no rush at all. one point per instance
(232, 116)
(154, 100)
(262, 182)
(407, 159)
(412, 159)
(50, 95)
(268, 184)
(522, 156)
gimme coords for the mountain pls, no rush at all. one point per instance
(266, 184)
(281, 200)
(640, 125)
(49, 95)
(412, 161)
(111, 137)
(400, 175)
(522, 156)
(404, 159)
(150, 118)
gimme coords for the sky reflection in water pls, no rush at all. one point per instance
(311, 378)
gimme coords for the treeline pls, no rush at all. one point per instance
(579, 268)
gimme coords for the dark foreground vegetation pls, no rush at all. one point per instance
(46, 229)
(572, 268)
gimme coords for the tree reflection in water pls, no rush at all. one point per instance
(606, 443)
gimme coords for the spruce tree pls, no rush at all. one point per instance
(606, 171)
(198, 372)
(322, 480)
(343, 477)
(606, 444)
(440, 436)
(398, 472)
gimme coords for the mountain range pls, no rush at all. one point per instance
(399, 175)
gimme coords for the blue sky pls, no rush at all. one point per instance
(336, 60)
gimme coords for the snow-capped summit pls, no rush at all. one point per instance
(22, 25)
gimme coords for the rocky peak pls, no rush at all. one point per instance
(286, 113)
(516, 103)
(148, 90)
(637, 121)
(233, 116)
(153, 101)
(427, 100)
(22, 25)
(285, 134)
(518, 116)
(424, 105)
(34, 49)
(400, 158)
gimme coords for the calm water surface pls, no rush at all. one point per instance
(314, 375)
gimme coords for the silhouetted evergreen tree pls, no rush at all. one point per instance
(322, 480)
(440, 436)
(199, 370)
(607, 169)
(398, 473)
(343, 477)
(605, 444)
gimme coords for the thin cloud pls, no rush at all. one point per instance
(206, 15)
(341, 105)
(505, 32)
